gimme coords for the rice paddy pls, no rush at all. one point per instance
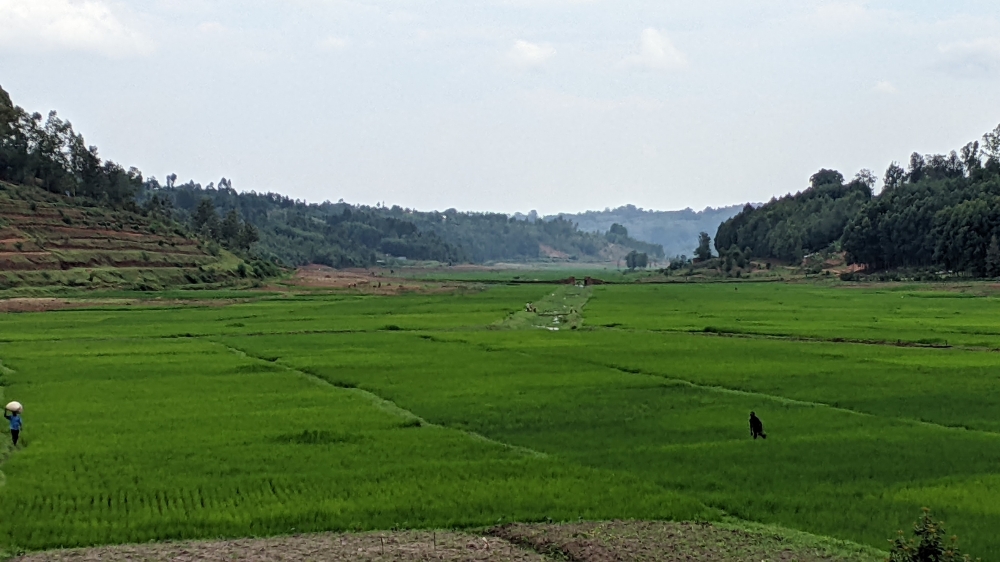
(339, 412)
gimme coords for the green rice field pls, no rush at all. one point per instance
(290, 413)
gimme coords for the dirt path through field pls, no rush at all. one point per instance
(562, 309)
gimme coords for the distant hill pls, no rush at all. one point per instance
(300, 233)
(70, 199)
(676, 231)
(495, 236)
(344, 235)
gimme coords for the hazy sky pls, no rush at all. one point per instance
(509, 105)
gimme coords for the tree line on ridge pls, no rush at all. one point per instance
(940, 211)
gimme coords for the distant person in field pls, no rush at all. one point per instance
(15, 424)
(756, 427)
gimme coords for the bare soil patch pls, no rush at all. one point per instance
(398, 546)
(369, 281)
(550, 252)
(34, 304)
(611, 541)
(654, 541)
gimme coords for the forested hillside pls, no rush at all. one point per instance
(340, 234)
(676, 231)
(46, 153)
(298, 233)
(69, 218)
(496, 236)
(941, 211)
(795, 225)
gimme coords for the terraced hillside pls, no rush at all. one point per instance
(48, 240)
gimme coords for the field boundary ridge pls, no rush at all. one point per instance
(792, 401)
(384, 404)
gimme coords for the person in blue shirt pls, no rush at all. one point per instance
(15, 425)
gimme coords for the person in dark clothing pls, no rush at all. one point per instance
(15, 425)
(756, 427)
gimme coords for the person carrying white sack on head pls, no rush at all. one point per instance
(14, 418)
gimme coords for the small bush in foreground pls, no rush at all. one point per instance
(930, 544)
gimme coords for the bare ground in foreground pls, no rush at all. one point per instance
(580, 542)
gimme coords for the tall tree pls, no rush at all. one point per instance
(229, 230)
(894, 177)
(993, 258)
(205, 219)
(704, 250)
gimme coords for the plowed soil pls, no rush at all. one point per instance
(374, 281)
(583, 542)
(398, 546)
(33, 304)
(656, 541)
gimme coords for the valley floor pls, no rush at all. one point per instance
(184, 416)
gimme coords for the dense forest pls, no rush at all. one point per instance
(795, 225)
(340, 234)
(676, 231)
(297, 233)
(941, 211)
(46, 152)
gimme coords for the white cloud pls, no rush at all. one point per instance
(885, 87)
(527, 54)
(554, 100)
(842, 15)
(73, 25)
(212, 28)
(333, 43)
(971, 58)
(656, 52)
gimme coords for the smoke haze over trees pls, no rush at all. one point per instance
(676, 231)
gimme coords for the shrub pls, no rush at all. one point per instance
(929, 544)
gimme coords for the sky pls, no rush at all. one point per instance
(509, 105)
